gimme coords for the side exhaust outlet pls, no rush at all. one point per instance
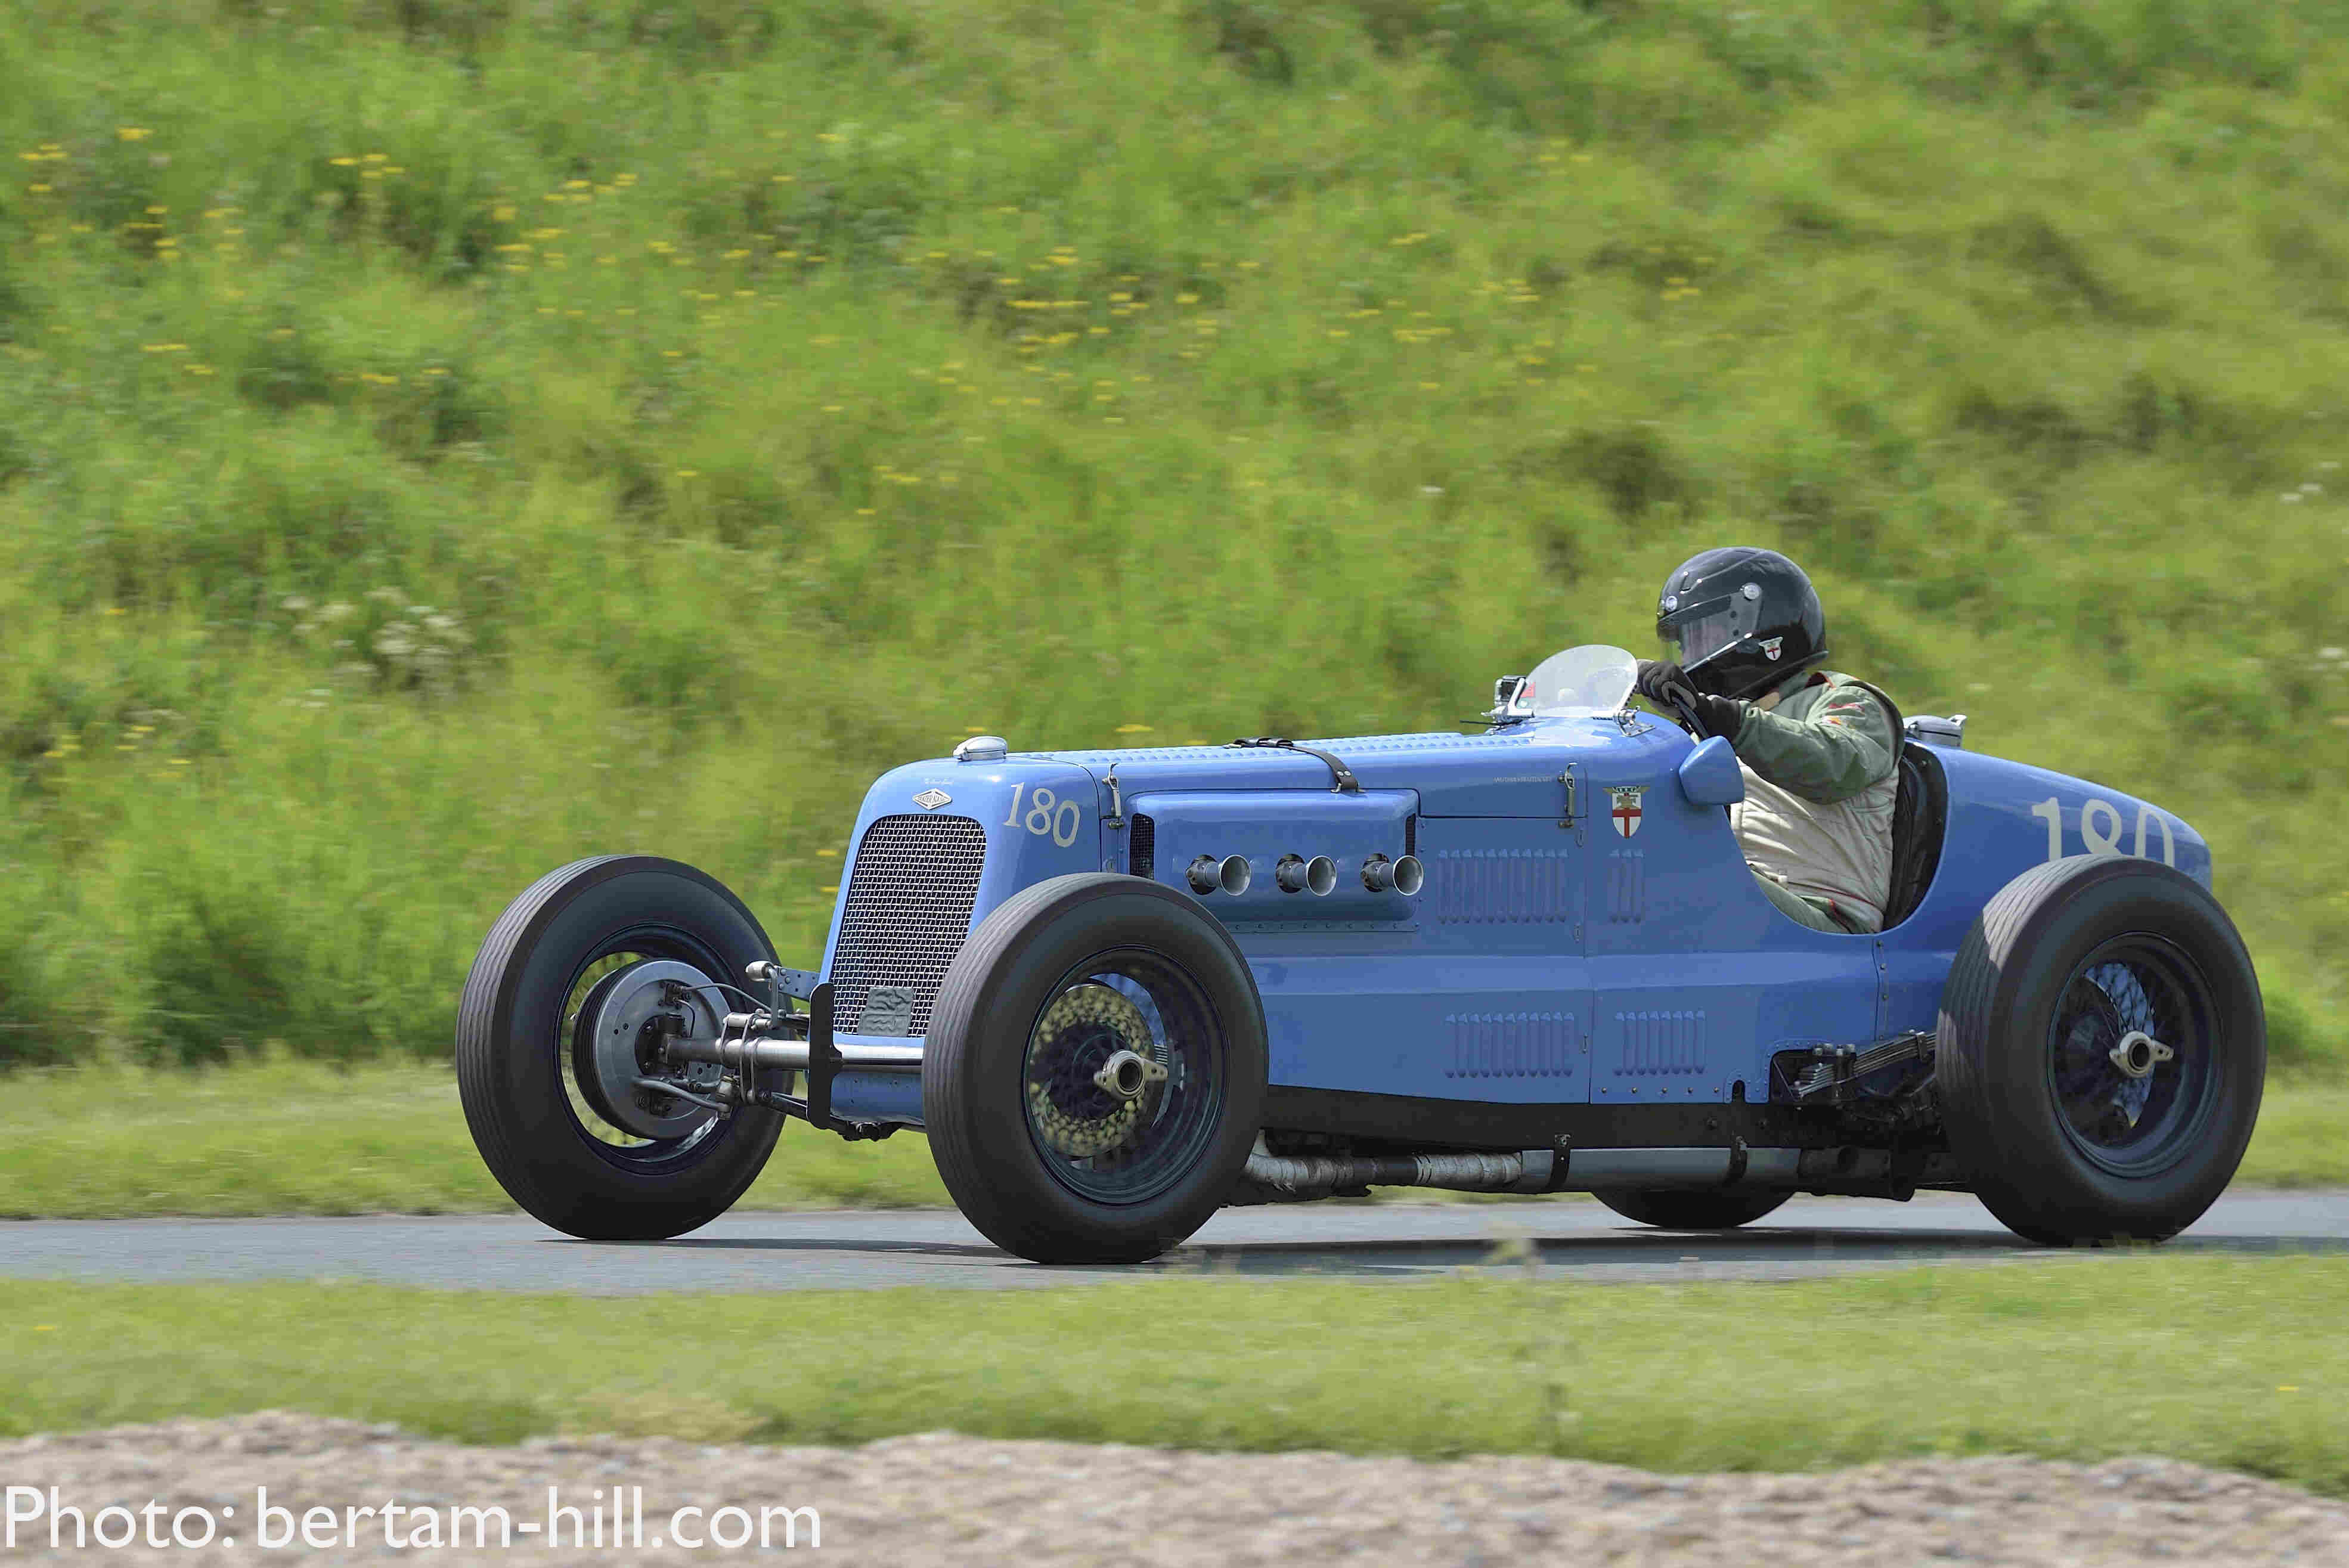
(1208, 873)
(1405, 876)
(1317, 876)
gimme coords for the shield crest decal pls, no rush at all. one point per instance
(1626, 813)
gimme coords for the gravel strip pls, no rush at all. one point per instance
(943, 1498)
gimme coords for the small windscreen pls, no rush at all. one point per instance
(1595, 679)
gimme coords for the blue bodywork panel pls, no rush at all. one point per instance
(1588, 931)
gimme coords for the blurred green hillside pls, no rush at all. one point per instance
(442, 437)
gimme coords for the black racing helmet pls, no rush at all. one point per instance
(1741, 620)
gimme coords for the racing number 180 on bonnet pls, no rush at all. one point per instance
(1121, 989)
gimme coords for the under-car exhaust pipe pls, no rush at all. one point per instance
(1207, 874)
(1405, 876)
(1532, 1170)
(1311, 1175)
(1317, 876)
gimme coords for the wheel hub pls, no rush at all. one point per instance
(2139, 1053)
(617, 1046)
(1094, 1072)
(1127, 1073)
(2118, 1081)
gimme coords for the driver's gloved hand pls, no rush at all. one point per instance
(1668, 686)
(1657, 681)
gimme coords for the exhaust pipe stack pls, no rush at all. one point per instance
(1207, 874)
(1298, 874)
(1317, 876)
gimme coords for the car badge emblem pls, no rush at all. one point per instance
(1770, 646)
(1626, 813)
(888, 1010)
(931, 800)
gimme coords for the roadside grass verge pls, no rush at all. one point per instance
(291, 1137)
(2232, 1362)
(2302, 1139)
(286, 1136)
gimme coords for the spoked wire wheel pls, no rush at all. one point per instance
(1094, 1073)
(2101, 1051)
(1123, 1077)
(2128, 1053)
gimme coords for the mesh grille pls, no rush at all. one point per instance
(909, 903)
(1142, 847)
(1411, 834)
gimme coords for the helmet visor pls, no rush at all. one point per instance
(1693, 633)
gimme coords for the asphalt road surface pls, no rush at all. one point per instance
(873, 1249)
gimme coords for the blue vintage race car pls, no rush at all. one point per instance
(1120, 989)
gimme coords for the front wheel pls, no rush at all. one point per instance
(1094, 1071)
(1671, 1210)
(2101, 1051)
(558, 1049)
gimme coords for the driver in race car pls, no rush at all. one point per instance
(1744, 631)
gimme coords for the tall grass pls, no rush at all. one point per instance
(442, 437)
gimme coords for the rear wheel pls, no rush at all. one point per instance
(1094, 1071)
(563, 1118)
(1672, 1211)
(2102, 1051)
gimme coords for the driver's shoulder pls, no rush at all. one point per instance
(1833, 697)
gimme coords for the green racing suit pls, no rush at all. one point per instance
(1822, 775)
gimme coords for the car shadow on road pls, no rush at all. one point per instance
(1779, 1253)
(817, 1244)
(1640, 1249)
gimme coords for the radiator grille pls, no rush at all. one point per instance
(1142, 847)
(909, 904)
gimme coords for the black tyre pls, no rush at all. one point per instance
(543, 1124)
(1094, 1072)
(2102, 1050)
(1672, 1211)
